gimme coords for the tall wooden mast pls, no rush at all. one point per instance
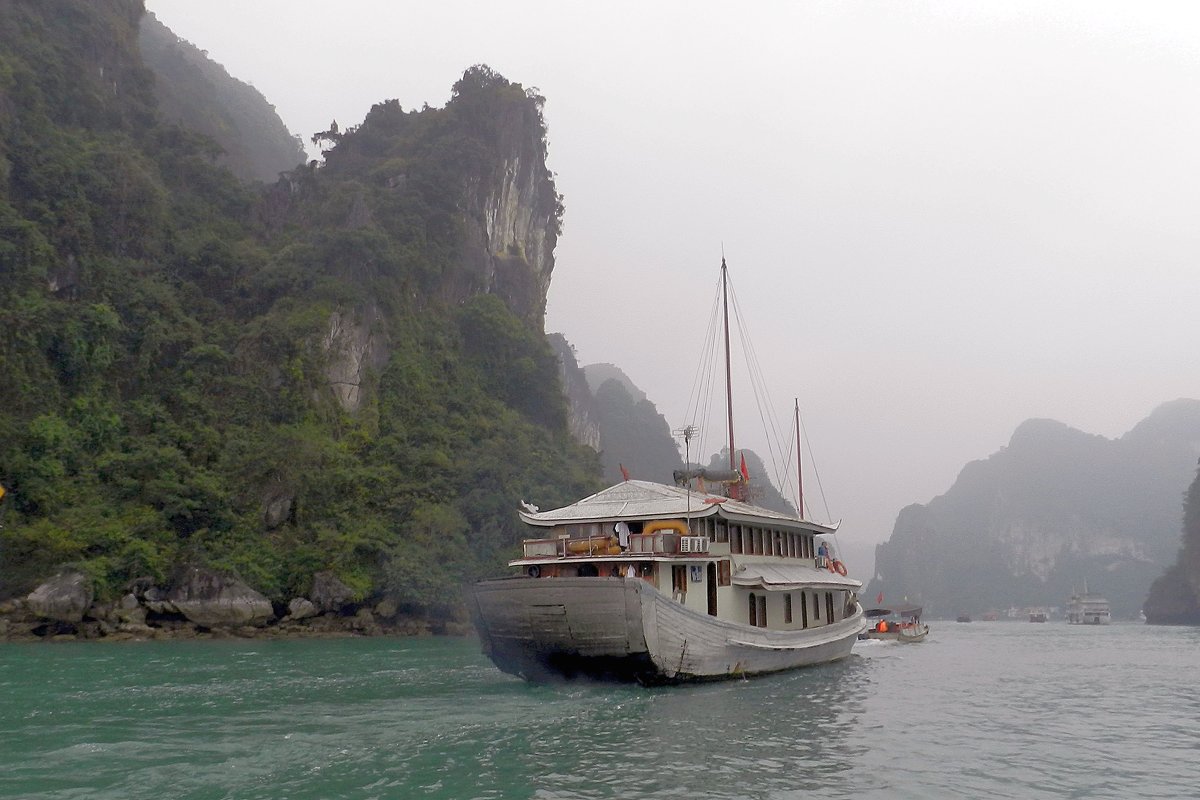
(728, 371)
(799, 468)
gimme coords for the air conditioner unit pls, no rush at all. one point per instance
(693, 544)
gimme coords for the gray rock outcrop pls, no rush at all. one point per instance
(328, 593)
(65, 597)
(212, 600)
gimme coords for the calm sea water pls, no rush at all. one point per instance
(980, 710)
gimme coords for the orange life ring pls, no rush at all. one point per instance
(839, 568)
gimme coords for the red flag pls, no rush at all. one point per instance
(745, 474)
(624, 472)
(879, 599)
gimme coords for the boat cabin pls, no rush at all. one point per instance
(712, 554)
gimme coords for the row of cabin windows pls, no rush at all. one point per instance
(765, 541)
(746, 539)
(758, 608)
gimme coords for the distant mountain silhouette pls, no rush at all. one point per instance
(198, 94)
(1175, 597)
(1054, 508)
(597, 374)
(633, 434)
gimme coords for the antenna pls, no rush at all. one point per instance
(688, 432)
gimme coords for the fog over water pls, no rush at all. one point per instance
(943, 218)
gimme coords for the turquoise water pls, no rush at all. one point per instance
(978, 710)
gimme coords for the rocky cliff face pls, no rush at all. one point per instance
(439, 205)
(512, 211)
(581, 405)
(1054, 508)
(1174, 598)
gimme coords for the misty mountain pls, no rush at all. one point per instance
(1174, 598)
(634, 435)
(1053, 509)
(198, 94)
(597, 374)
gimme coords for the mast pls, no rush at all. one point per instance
(728, 372)
(799, 468)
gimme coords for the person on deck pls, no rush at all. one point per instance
(822, 555)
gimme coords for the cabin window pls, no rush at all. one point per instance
(711, 585)
(758, 541)
(829, 606)
(720, 531)
(679, 579)
(735, 538)
(725, 578)
(753, 610)
(787, 608)
(780, 543)
(816, 607)
(762, 610)
(804, 609)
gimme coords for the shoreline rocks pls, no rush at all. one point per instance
(203, 604)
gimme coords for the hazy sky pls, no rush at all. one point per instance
(943, 218)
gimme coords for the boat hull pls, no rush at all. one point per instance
(910, 635)
(623, 629)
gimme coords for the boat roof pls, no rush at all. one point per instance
(645, 500)
(900, 611)
(786, 577)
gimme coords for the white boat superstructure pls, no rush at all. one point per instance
(1086, 608)
(662, 584)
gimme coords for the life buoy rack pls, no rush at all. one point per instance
(838, 567)
(665, 525)
(535, 571)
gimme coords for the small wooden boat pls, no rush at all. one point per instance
(896, 624)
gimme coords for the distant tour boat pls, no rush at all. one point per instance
(1086, 608)
(654, 583)
(1037, 616)
(963, 618)
(898, 623)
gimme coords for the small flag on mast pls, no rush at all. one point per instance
(879, 599)
(745, 473)
(624, 472)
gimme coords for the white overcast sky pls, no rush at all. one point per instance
(943, 218)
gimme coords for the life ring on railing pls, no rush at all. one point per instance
(535, 571)
(838, 567)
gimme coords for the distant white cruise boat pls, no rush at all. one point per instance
(1087, 608)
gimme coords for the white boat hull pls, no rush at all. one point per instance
(624, 629)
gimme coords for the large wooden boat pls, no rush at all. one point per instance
(702, 587)
(657, 583)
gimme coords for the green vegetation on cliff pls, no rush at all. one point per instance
(333, 374)
(1174, 598)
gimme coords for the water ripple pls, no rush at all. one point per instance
(983, 710)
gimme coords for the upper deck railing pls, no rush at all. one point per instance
(658, 543)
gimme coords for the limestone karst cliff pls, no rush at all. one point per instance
(1054, 508)
(1174, 598)
(343, 373)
